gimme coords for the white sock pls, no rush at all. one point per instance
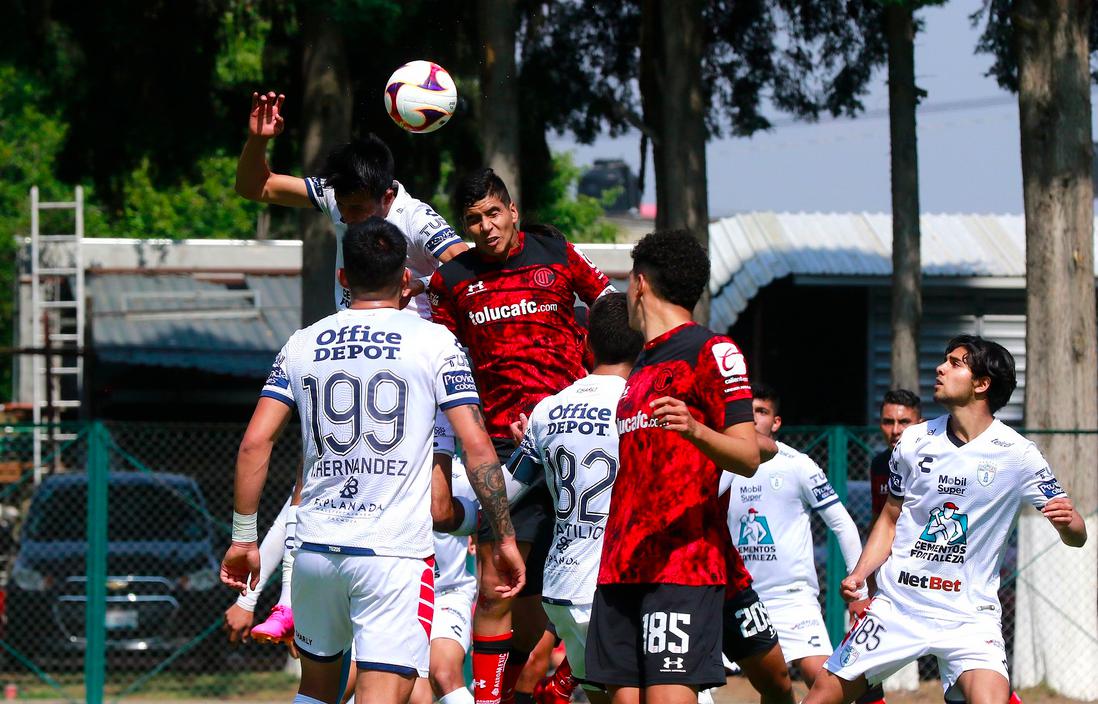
(302, 699)
(288, 556)
(461, 695)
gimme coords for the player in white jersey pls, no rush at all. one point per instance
(356, 182)
(956, 486)
(768, 518)
(455, 591)
(366, 382)
(573, 437)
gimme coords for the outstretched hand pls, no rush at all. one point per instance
(265, 120)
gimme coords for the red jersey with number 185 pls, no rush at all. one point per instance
(516, 318)
(666, 525)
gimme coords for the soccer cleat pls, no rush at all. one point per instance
(278, 628)
(550, 690)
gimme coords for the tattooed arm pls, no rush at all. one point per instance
(486, 476)
(482, 466)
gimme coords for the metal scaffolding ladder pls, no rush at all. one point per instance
(57, 309)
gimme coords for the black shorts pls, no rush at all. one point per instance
(648, 634)
(747, 627)
(533, 518)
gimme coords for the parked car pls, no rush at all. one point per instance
(162, 569)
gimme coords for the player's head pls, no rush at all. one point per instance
(669, 267)
(374, 251)
(975, 370)
(488, 214)
(899, 409)
(611, 339)
(767, 406)
(361, 175)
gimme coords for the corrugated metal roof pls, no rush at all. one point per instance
(230, 325)
(749, 251)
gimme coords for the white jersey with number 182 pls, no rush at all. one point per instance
(574, 436)
(367, 385)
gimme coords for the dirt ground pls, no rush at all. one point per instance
(738, 691)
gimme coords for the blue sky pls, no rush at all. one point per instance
(969, 159)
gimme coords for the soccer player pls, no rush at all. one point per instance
(356, 182)
(769, 519)
(937, 589)
(455, 590)
(572, 437)
(900, 409)
(366, 382)
(510, 302)
(656, 622)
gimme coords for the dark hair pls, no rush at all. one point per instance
(611, 338)
(766, 392)
(374, 251)
(364, 165)
(989, 360)
(545, 231)
(477, 186)
(675, 265)
(902, 397)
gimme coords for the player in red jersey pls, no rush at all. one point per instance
(900, 408)
(686, 410)
(510, 301)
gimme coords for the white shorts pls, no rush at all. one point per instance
(888, 637)
(381, 605)
(800, 626)
(572, 621)
(454, 615)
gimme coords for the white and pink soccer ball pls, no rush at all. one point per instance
(420, 96)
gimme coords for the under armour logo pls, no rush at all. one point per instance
(456, 629)
(672, 663)
(350, 489)
(475, 288)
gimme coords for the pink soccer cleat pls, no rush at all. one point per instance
(278, 628)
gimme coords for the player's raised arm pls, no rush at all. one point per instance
(735, 449)
(254, 179)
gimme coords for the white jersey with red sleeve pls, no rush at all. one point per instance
(427, 232)
(367, 385)
(960, 501)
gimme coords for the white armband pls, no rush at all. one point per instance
(245, 527)
(469, 522)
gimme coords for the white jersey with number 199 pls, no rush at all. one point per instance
(367, 385)
(574, 436)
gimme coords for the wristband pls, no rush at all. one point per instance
(245, 527)
(469, 522)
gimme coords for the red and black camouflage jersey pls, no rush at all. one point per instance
(666, 525)
(878, 480)
(516, 318)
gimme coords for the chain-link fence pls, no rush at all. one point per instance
(109, 557)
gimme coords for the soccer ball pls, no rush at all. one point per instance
(420, 96)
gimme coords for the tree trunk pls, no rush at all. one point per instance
(499, 108)
(326, 122)
(1056, 645)
(672, 43)
(907, 303)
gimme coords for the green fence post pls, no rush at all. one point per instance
(835, 607)
(95, 626)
